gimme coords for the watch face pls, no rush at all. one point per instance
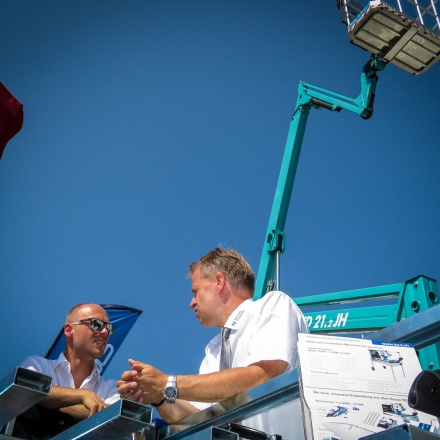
(170, 393)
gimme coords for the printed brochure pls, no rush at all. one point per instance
(355, 387)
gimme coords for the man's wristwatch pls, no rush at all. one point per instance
(170, 392)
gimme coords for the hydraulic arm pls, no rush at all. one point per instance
(308, 96)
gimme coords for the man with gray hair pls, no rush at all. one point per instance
(259, 343)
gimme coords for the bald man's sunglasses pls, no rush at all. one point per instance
(97, 325)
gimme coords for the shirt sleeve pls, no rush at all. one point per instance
(202, 405)
(277, 322)
(38, 364)
(108, 391)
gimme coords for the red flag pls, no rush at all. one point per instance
(11, 117)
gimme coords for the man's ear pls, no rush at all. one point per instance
(220, 280)
(68, 329)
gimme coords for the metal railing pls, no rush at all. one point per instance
(19, 390)
(424, 12)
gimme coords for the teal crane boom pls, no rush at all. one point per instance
(412, 297)
(308, 97)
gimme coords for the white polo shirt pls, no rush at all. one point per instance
(266, 329)
(59, 370)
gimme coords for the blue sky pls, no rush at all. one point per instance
(154, 131)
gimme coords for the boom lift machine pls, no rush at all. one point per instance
(408, 36)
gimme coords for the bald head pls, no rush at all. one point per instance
(84, 311)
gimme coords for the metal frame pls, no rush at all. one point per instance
(396, 37)
(284, 388)
(423, 12)
(19, 390)
(214, 433)
(409, 299)
(118, 421)
(402, 432)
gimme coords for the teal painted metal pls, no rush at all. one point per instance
(308, 96)
(347, 296)
(421, 294)
(275, 237)
(358, 316)
(351, 320)
(408, 299)
(403, 301)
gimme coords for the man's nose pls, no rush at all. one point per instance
(192, 303)
(104, 330)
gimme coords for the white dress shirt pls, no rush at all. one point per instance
(266, 329)
(59, 370)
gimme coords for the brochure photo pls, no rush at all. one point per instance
(355, 387)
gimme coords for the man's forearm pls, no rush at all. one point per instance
(221, 385)
(172, 412)
(212, 387)
(78, 412)
(61, 397)
(216, 387)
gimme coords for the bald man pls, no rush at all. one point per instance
(77, 388)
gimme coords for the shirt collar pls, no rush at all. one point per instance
(237, 317)
(63, 362)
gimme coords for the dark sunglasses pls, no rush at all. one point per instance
(97, 325)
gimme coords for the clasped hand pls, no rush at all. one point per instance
(143, 383)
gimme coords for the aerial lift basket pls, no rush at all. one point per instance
(403, 32)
